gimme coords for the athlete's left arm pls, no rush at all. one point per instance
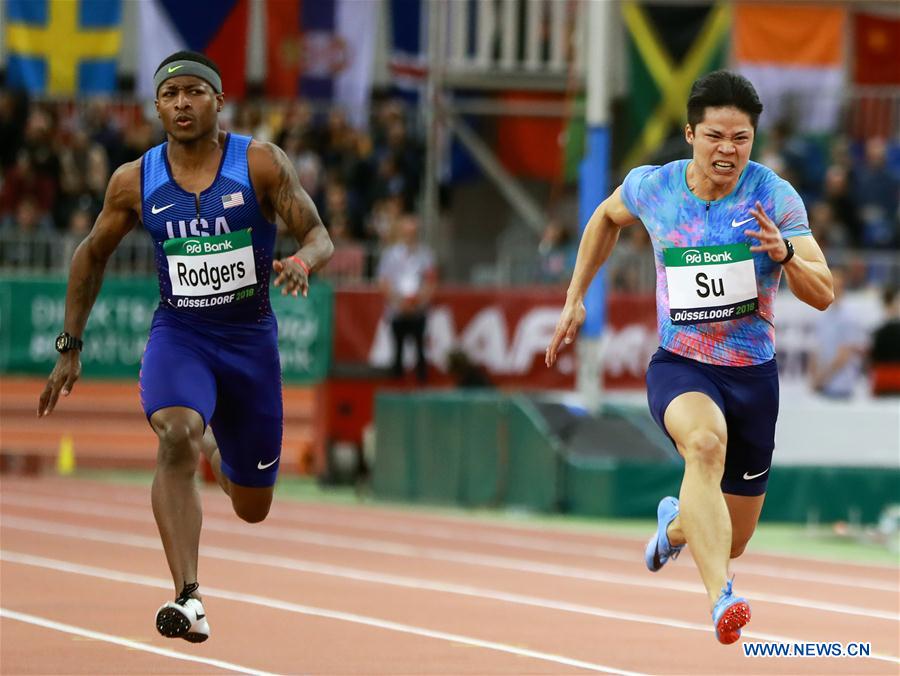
(276, 181)
(807, 272)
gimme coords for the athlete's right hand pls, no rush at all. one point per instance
(570, 321)
(291, 276)
(62, 378)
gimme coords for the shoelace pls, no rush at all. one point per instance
(185, 594)
(727, 588)
(726, 593)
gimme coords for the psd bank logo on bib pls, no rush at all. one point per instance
(698, 257)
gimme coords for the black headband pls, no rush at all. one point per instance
(187, 67)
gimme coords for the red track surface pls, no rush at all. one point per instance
(324, 589)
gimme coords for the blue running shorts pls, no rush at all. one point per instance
(748, 398)
(231, 377)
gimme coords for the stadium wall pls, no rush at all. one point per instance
(490, 449)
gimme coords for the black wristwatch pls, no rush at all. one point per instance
(790, 252)
(66, 342)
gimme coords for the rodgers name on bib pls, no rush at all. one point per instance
(710, 283)
(208, 266)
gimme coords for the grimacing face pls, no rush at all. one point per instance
(722, 142)
(188, 107)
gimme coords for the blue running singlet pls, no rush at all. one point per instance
(213, 344)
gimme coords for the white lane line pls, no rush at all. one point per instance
(539, 544)
(126, 643)
(238, 556)
(505, 563)
(118, 576)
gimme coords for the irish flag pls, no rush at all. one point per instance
(793, 54)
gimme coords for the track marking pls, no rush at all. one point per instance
(536, 544)
(427, 516)
(238, 556)
(126, 643)
(144, 580)
(505, 563)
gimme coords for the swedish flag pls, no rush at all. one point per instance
(63, 46)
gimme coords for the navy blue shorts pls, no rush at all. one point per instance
(233, 380)
(748, 398)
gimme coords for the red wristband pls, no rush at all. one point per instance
(299, 261)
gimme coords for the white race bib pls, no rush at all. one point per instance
(710, 283)
(208, 266)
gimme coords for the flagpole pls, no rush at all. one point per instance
(593, 188)
(437, 28)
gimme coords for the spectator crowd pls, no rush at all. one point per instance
(56, 159)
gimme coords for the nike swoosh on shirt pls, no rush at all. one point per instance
(172, 69)
(260, 464)
(161, 209)
(748, 477)
(735, 223)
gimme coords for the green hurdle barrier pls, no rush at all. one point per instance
(487, 449)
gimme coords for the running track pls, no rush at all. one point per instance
(326, 589)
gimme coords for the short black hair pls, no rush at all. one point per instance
(188, 55)
(719, 89)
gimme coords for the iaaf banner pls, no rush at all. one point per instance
(504, 330)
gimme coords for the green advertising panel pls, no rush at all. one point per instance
(32, 312)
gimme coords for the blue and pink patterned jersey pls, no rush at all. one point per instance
(676, 219)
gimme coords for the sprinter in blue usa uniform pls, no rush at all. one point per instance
(210, 377)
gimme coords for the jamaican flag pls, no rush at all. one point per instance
(668, 47)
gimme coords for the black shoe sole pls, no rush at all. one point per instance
(172, 624)
(195, 637)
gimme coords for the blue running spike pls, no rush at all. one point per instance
(659, 550)
(729, 614)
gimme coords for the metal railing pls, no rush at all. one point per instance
(517, 262)
(872, 111)
(513, 38)
(42, 253)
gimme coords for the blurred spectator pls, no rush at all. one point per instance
(465, 372)
(383, 219)
(22, 181)
(348, 263)
(80, 223)
(842, 201)
(139, 138)
(101, 127)
(885, 353)
(408, 277)
(13, 115)
(836, 362)
(406, 156)
(85, 172)
(42, 155)
(21, 246)
(360, 171)
(878, 192)
(556, 255)
(305, 160)
(337, 207)
(247, 120)
(785, 153)
(632, 263)
(829, 232)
